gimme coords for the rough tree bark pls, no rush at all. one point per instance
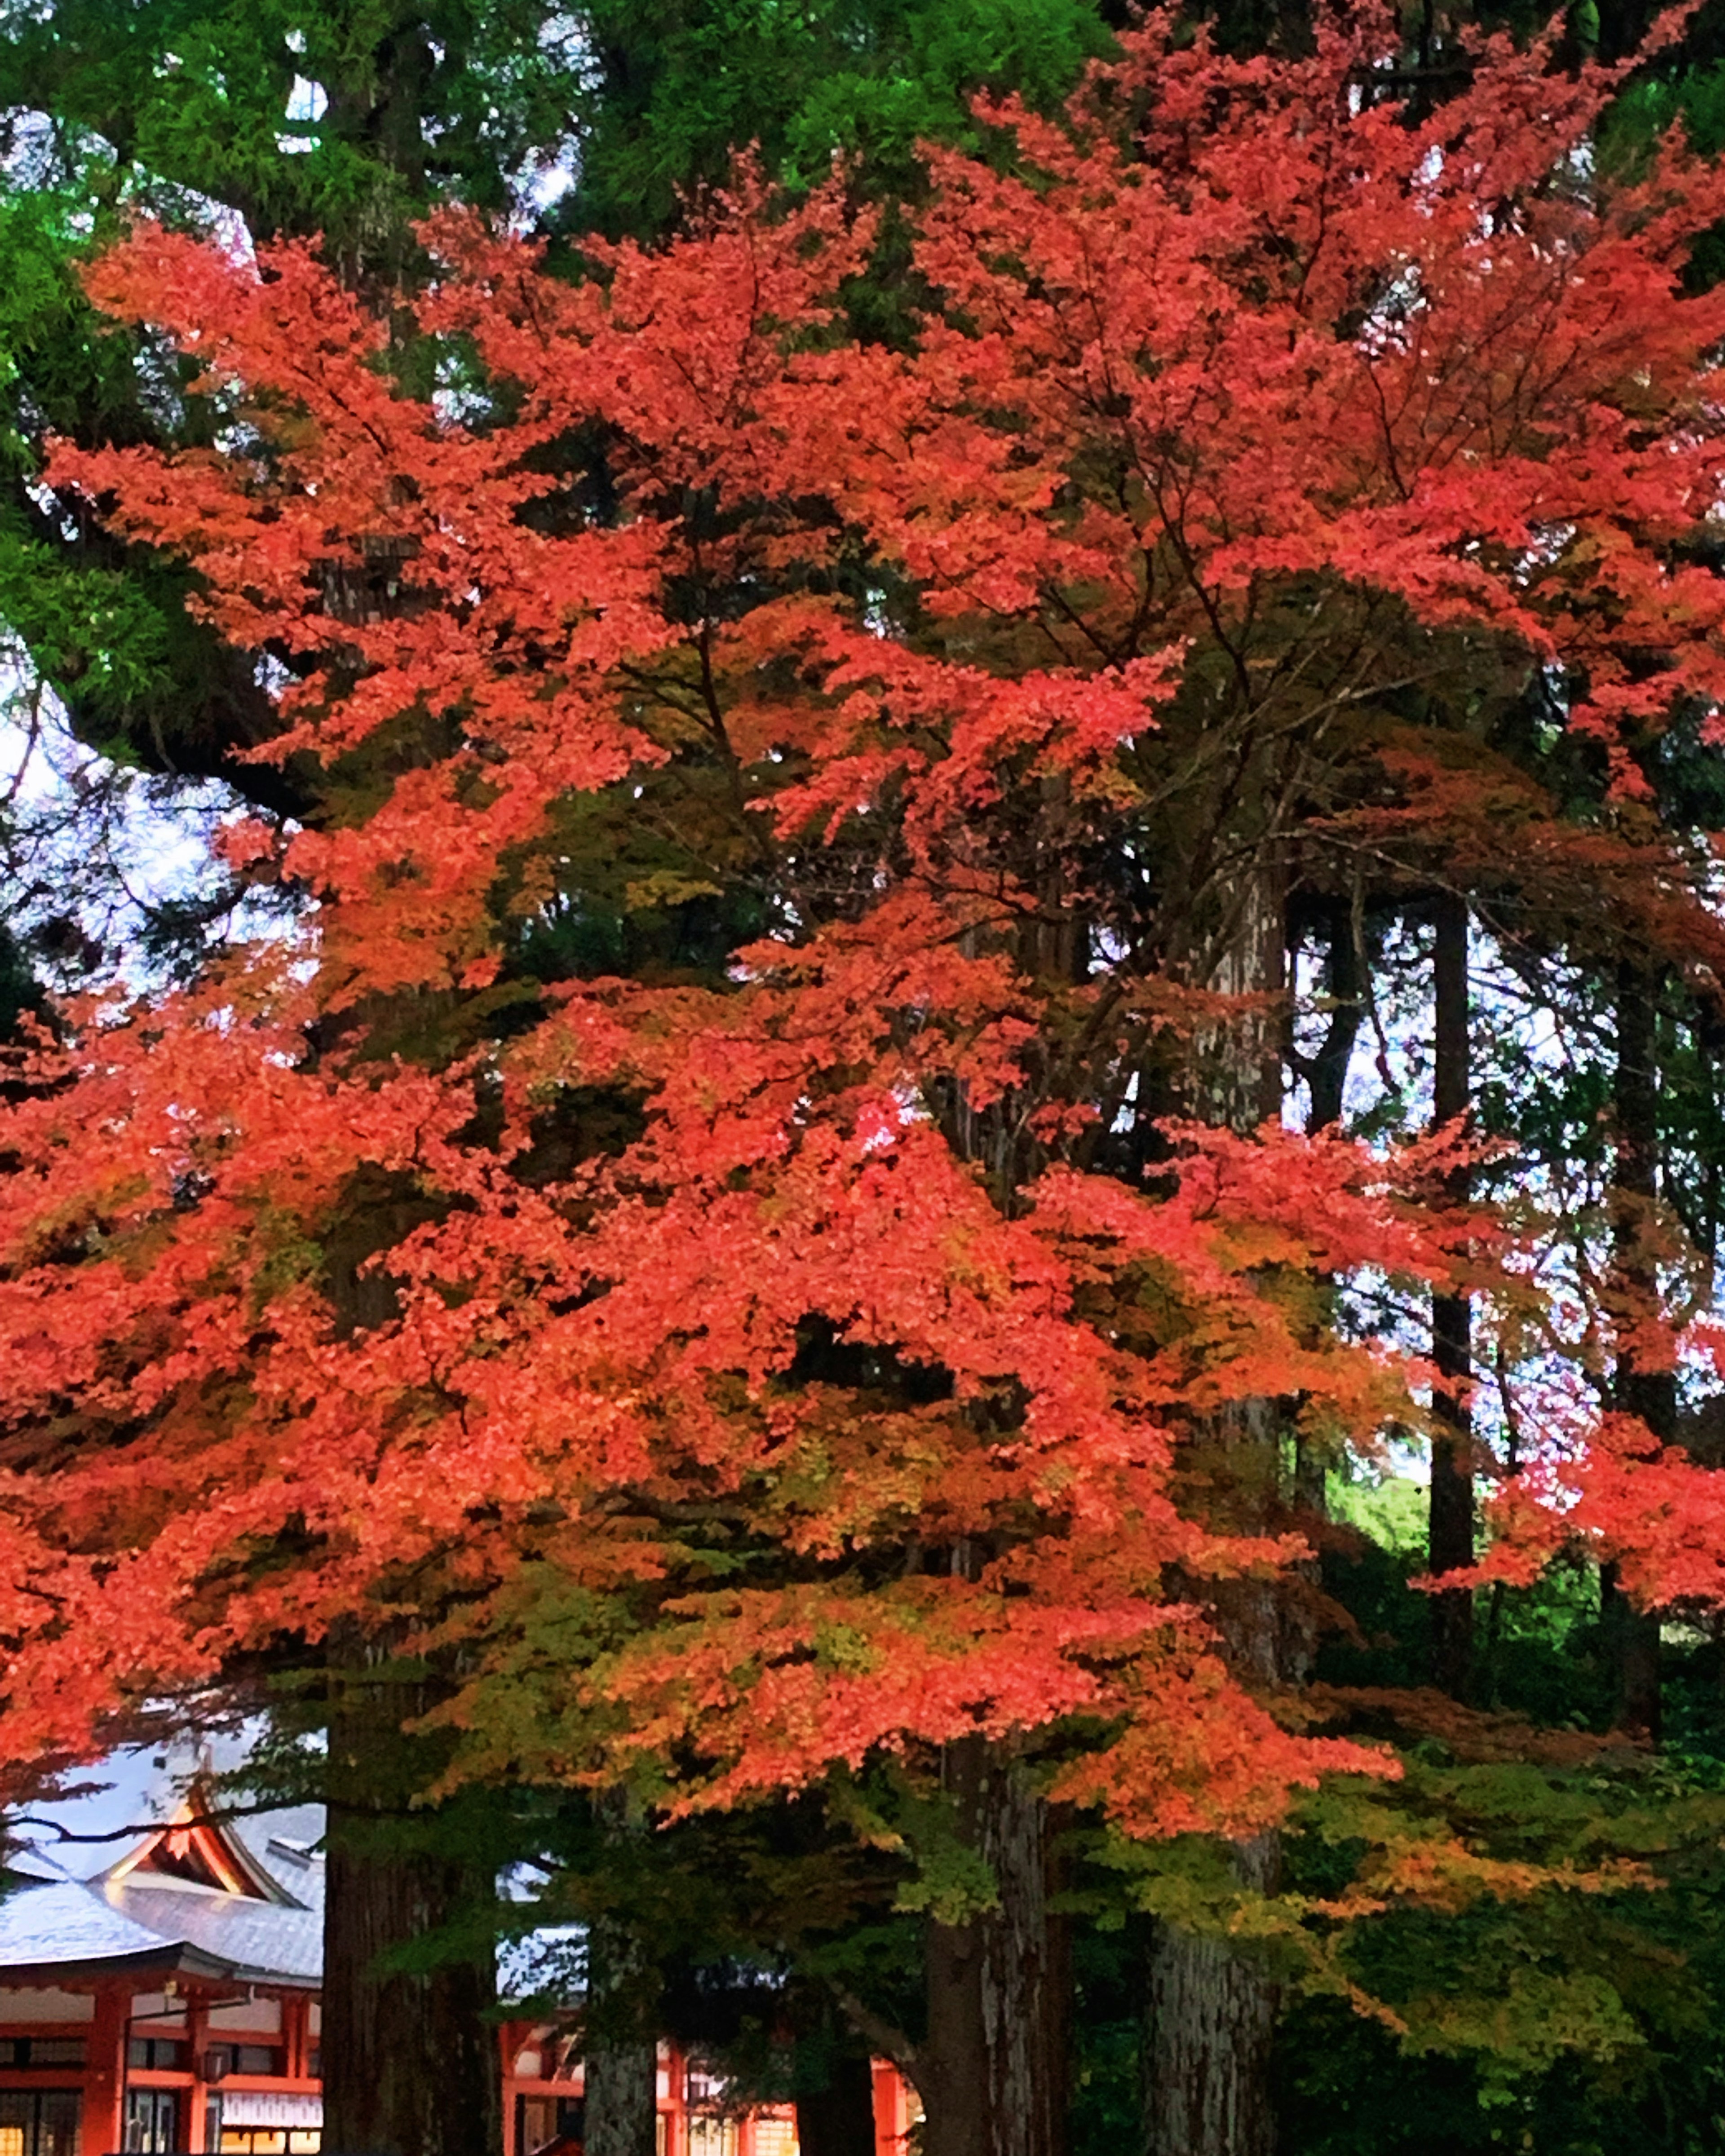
(992, 2068)
(1450, 1534)
(1630, 1635)
(620, 2062)
(1211, 2008)
(410, 2062)
(1212, 2018)
(992, 2071)
(1348, 960)
(622, 2072)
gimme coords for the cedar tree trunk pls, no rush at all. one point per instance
(1631, 1635)
(1451, 1528)
(1212, 2020)
(992, 2072)
(1211, 2008)
(622, 2105)
(621, 2046)
(410, 2059)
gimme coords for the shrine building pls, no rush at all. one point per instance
(159, 1972)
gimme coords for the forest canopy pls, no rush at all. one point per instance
(939, 1103)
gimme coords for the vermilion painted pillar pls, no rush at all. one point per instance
(674, 2111)
(892, 2110)
(196, 2097)
(104, 2079)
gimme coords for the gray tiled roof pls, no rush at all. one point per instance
(285, 1845)
(64, 1908)
(257, 1939)
(66, 1922)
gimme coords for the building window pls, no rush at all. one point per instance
(269, 2141)
(152, 2122)
(221, 2060)
(41, 2051)
(167, 2053)
(38, 2122)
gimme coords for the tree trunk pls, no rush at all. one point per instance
(1630, 1635)
(622, 2096)
(1631, 1643)
(992, 2071)
(621, 2047)
(410, 2058)
(411, 2061)
(1347, 967)
(1212, 2007)
(1451, 1519)
(1346, 962)
(1212, 2018)
(839, 2120)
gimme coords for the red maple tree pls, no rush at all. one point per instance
(888, 1367)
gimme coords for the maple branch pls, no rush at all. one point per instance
(710, 694)
(1195, 584)
(66, 1834)
(1054, 596)
(642, 679)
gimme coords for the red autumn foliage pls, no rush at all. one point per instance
(840, 1395)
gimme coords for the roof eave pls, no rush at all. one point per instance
(174, 1957)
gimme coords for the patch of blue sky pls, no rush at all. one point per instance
(96, 860)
